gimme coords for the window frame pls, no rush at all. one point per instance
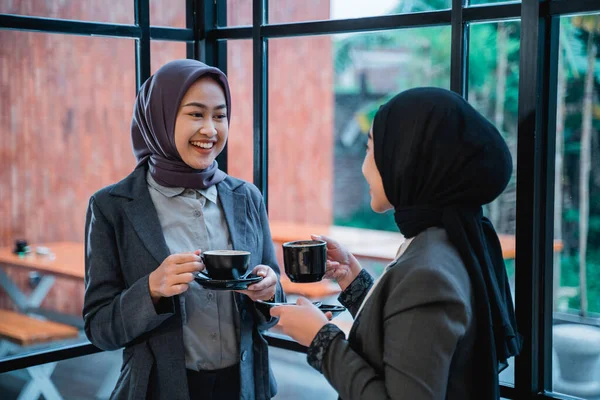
(143, 33)
(206, 36)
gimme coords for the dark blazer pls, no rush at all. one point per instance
(124, 244)
(414, 337)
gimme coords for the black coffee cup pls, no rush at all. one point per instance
(305, 260)
(226, 264)
(21, 246)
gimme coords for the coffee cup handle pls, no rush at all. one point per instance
(202, 273)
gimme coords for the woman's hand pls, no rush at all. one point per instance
(341, 264)
(174, 274)
(265, 289)
(301, 321)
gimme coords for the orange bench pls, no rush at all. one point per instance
(24, 330)
(17, 330)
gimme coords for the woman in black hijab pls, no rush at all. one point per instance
(439, 323)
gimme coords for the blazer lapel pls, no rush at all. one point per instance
(142, 213)
(234, 208)
(143, 217)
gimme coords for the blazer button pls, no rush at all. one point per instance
(244, 355)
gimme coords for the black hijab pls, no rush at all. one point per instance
(440, 161)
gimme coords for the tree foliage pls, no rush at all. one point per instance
(429, 50)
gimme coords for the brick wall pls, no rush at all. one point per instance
(301, 111)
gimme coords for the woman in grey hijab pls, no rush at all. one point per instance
(144, 238)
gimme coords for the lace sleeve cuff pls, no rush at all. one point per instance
(320, 344)
(353, 296)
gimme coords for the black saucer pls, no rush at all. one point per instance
(334, 310)
(230, 284)
(265, 306)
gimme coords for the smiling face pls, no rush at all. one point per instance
(379, 201)
(201, 127)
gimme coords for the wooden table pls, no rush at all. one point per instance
(66, 260)
(366, 243)
(363, 243)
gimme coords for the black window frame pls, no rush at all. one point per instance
(207, 34)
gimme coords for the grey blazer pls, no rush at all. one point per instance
(413, 338)
(124, 244)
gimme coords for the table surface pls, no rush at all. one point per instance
(372, 244)
(68, 260)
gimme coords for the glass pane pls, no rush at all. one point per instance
(114, 11)
(576, 335)
(95, 376)
(88, 377)
(239, 12)
(167, 13)
(161, 52)
(493, 91)
(281, 11)
(240, 145)
(65, 129)
(368, 70)
(296, 379)
(319, 117)
(478, 2)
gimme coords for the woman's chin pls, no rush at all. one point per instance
(376, 208)
(203, 166)
(380, 208)
(200, 165)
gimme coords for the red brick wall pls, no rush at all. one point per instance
(66, 106)
(240, 142)
(301, 108)
(281, 11)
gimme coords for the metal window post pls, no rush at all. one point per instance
(142, 48)
(535, 191)
(459, 51)
(211, 50)
(260, 97)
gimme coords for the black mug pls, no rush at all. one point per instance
(226, 264)
(21, 246)
(305, 260)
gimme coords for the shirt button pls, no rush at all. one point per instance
(244, 355)
(213, 336)
(197, 214)
(209, 295)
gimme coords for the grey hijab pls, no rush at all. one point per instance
(153, 124)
